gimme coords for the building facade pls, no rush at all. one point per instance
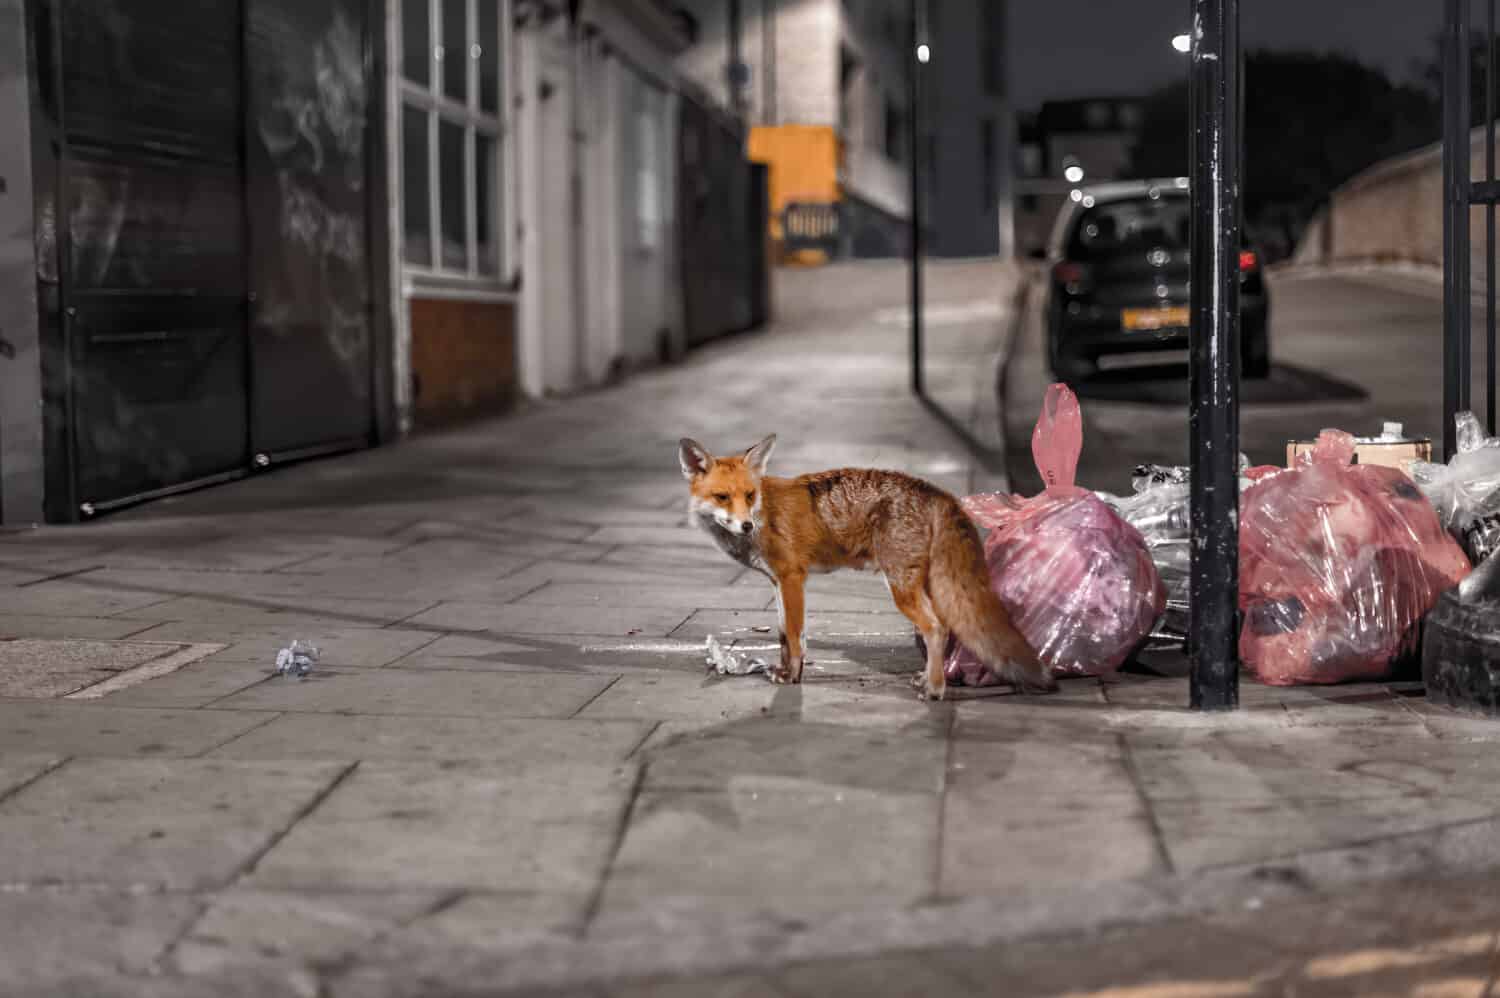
(240, 233)
(826, 88)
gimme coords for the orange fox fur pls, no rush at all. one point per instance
(912, 531)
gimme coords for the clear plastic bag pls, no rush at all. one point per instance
(1338, 564)
(1466, 491)
(1076, 578)
(1160, 510)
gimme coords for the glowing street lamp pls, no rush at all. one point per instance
(1182, 43)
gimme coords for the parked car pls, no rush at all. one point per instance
(1117, 279)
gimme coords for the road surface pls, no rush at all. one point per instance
(1350, 352)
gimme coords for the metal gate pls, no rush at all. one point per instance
(1217, 152)
(306, 94)
(202, 245)
(149, 376)
(1461, 192)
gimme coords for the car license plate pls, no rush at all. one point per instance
(1154, 318)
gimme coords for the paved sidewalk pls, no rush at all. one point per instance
(510, 770)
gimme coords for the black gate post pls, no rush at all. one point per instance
(914, 96)
(1214, 426)
(1456, 150)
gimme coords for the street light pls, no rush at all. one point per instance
(1073, 174)
(923, 53)
(1182, 43)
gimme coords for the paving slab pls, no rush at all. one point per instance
(902, 758)
(338, 644)
(14, 625)
(1048, 804)
(592, 596)
(890, 977)
(282, 612)
(412, 692)
(715, 701)
(709, 573)
(242, 927)
(194, 685)
(504, 920)
(512, 619)
(51, 935)
(69, 598)
(521, 742)
(101, 729)
(768, 844)
(152, 823)
(832, 628)
(542, 828)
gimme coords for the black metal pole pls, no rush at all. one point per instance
(914, 96)
(1489, 219)
(734, 72)
(1456, 151)
(1214, 374)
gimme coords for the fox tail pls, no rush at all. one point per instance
(959, 584)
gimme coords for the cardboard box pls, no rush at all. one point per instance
(1373, 450)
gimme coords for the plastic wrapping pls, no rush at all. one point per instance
(1466, 491)
(1076, 578)
(296, 659)
(1160, 510)
(1338, 564)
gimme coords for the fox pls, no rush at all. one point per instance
(911, 531)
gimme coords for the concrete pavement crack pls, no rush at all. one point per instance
(47, 770)
(248, 866)
(596, 897)
(1158, 839)
(609, 686)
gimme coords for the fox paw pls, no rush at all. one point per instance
(927, 691)
(786, 675)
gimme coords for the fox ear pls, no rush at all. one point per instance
(757, 457)
(693, 458)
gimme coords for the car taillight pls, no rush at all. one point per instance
(1248, 260)
(1068, 272)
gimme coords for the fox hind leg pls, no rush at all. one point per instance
(910, 594)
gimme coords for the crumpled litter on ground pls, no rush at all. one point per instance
(296, 659)
(727, 662)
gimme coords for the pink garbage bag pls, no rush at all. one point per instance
(1077, 579)
(1339, 562)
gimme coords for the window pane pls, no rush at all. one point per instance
(416, 42)
(455, 234)
(414, 186)
(489, 55)
(485, 206)
(456, 49)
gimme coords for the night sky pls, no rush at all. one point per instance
(1104, 47)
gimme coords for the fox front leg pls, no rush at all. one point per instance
(789, 604)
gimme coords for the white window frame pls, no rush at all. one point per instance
(437, 106)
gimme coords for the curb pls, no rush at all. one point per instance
(703, 946)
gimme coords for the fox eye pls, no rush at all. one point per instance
(721, 497)
(750, 498)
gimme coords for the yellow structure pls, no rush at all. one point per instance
(803, 163)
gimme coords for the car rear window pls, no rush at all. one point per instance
(1137, 223)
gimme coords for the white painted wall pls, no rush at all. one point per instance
(21, 453)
